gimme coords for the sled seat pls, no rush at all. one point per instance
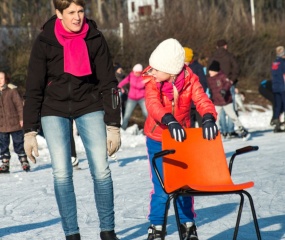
(198, 167)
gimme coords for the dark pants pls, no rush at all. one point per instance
(268, 94)
(72, 142)
(124, 99)
(279, 100)
(18, 143)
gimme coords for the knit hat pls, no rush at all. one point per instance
(168, 57)
(280, 52)
(188, 54)
(221, 43)
(117, 66)
(138, 68)
(215, 66)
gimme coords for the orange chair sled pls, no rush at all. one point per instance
(198, 167)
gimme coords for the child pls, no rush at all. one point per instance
(171, 87)
(11, 115)
(135, 95)
(221, 96)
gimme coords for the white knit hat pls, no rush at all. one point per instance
(138, 68)
(168, 57)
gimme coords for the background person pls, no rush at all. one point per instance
(221, 96)
(11, 115)
(135, 95)
(278, 86)
(197, 68)
(265, 90)
(120, 75)
(230, 67)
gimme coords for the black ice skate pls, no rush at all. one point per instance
(25, 164)
(4, 168)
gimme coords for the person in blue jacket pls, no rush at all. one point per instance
(191, 61)
(278, 86)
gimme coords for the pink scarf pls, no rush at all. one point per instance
(168, 87)
(75, 53)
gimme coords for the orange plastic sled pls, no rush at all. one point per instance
(198, 167)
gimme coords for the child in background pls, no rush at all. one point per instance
(135, 95)
(221, 96)
(171, 87)
(11, 115)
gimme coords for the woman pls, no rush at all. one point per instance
(71, 77)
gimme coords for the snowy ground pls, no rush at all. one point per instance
(29, 211)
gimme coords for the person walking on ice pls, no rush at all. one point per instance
(171, 87)
(71, 78)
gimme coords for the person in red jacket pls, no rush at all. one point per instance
(171, 87)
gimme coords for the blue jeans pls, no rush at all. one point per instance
(226, 124)
(158, 199)
(18, 144)
(92, 130)
(131, 104)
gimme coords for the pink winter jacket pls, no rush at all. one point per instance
(137, 88)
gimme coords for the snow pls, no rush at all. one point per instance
(29, 211)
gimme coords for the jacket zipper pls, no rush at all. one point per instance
(69, 93)
(173, 108)
(153, 128)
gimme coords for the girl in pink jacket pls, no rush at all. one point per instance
(136, 93)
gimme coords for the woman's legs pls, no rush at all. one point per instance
(92, 130)
(56, 130)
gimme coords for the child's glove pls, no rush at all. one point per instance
(176, 130)
(113, 139)
(31, 145)
(210, 129)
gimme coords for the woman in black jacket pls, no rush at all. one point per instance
(71, 77)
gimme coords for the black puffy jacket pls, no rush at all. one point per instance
(51, 92)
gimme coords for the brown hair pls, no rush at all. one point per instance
(60, 5)
(6, 77)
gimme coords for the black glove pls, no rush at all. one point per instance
(223, 92)
(210, 129)
(176, 130)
